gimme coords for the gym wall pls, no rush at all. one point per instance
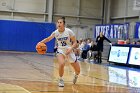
(23, 36)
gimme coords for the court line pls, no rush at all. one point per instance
(16, 87)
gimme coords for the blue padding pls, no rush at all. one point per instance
(23, 36)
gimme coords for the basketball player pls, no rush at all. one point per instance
(64, 37)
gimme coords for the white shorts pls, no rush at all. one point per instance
(70, 58)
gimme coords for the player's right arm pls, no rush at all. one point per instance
(48, 38)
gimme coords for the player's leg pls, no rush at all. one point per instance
(76, 67)
(61, 62)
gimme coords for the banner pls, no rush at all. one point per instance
(137, 30)
(119, 31)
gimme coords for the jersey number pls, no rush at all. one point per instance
(63, 43)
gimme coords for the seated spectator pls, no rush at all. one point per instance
(81, 45)
(138, 42)
(127, 41)
(93, 51)
(134, 43)
(85, 49)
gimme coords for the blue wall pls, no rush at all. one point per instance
(23, 36)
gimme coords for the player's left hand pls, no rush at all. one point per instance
(68, 51)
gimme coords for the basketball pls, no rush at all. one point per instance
(41, 48)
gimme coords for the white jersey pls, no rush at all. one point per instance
(63, 39)
(64, 42)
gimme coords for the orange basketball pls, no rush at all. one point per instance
(41, 48)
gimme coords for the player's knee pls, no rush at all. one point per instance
(61, 64)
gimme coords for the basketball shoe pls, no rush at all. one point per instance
(61, 83)
(75, 78)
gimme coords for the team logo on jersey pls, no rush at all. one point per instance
(63, 38)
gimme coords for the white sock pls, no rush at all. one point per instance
(75, 74)
(60, 78)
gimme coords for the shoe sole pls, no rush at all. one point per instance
(61, 86)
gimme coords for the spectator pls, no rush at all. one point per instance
(92, 51)
(134, 43)
(89, 42)
(85, 49)
(127, 41)
(99, 41)
(138, 42)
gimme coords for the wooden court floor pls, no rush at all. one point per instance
(33, 73)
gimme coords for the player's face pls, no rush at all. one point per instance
(60, 25)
